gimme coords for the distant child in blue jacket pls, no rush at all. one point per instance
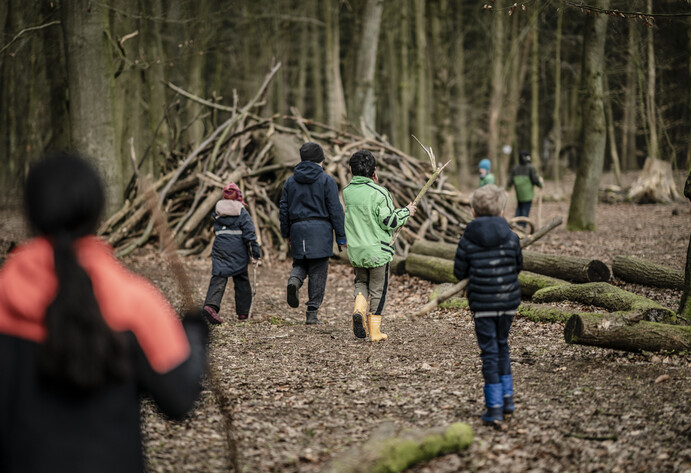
(310, 213)
(489, 255)
(233, 246)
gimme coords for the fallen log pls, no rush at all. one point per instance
(569, 268)
(544, 313)
(640, 271)
(609, 297)
(389, 451)
(622, 331)
(442, 249)
(459, 286)
(430, 268)
(532, 282)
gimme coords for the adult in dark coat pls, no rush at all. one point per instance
(310, 212)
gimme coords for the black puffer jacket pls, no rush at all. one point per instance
(489, 254)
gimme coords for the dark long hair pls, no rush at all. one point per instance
(64, 198)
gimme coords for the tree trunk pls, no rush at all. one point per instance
(461, 122)
(617, 331)
(609, 117)
(644, 272)
(406, 81)
(654, 146)
(628, 132)
(556, 114)
(334, 84)
(584, 196)
(317, 57)
(685, 303)
(364, 106)
(610, 297)
(535, 87)
(90, 78)
(422, 102)
(496, 78)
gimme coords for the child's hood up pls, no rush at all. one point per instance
(306, 172)
(488, 231)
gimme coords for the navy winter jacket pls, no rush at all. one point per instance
(489, 254)
(230, 253)
(310, 212)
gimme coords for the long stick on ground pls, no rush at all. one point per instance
(459, 286)
(430, 181)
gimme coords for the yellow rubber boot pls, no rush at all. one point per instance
(359, 326)
(374, 323)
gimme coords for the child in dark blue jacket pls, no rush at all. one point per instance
(235, 242)
(310, 213)
(489, 255)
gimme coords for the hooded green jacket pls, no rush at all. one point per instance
(370, 221)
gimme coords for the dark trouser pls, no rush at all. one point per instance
(243, 292)
(316, 270)
(523, 209)
(373, 284)
(493, 338)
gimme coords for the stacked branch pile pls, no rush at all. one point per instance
(259, 154)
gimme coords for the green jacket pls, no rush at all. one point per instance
(486, 179)
(370, 222)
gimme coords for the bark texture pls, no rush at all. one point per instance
(609, 297)
(640, 271)
(623, 332)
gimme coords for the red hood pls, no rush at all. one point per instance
(128, 302)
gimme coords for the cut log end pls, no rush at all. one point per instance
(598, 271)
(573, 329)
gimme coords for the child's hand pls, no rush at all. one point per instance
(411, 208)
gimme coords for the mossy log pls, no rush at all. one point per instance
(400, 450)
(640, 271)
(612, 298)
(532, 282)
(569, 268)
(454, 302)
(438, 249)
(430, 268)
(544, 313)
(621, 331)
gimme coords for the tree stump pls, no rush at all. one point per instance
(655, 184)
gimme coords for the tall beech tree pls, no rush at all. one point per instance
(91, 84)
(584, 196)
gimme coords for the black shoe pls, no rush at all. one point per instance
(358, 326)
(292, 293)
(311, 317)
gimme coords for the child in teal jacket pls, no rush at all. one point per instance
(370, 222)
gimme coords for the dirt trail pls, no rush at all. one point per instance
(303, 394)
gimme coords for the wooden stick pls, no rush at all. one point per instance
(419, 195)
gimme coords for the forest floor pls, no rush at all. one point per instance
(302, 395)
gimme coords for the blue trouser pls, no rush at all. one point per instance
(316, 270)
(493, 338)
(523, 209)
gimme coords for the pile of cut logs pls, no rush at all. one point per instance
(631, 322)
